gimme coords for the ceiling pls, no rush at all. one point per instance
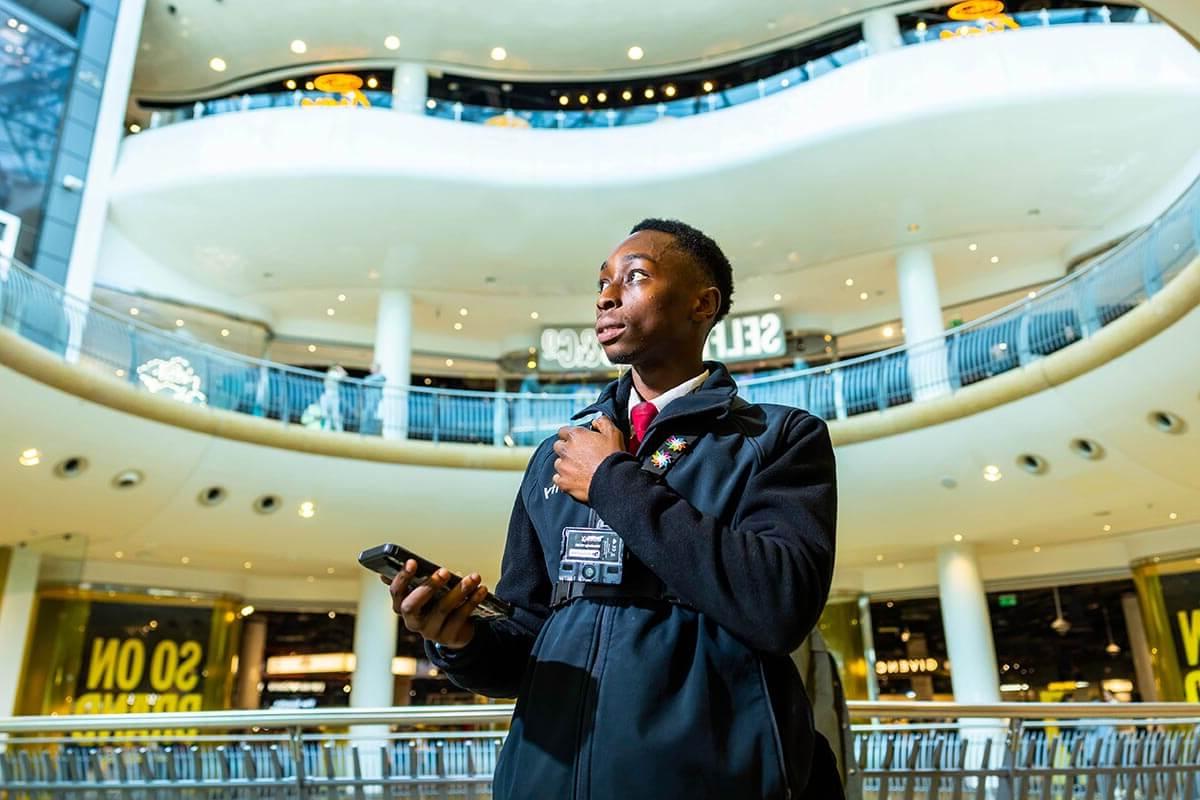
(566, 40)
(1024, 143)
(895, 510)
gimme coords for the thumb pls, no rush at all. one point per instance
(603, 424)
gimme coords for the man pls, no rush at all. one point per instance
(675, 682)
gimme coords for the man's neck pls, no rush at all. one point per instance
(654, 380)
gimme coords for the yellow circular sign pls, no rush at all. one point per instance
(338, 82)
(976, 9)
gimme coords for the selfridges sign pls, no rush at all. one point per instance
(742, 338)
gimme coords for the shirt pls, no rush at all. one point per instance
(660, 402)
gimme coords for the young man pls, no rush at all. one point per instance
(676, 681)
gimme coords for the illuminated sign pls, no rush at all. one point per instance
(348, 86)
(742, 338)
(988, 16)
(331, 663)
(746, 338)
(173, 376)
(908, 666)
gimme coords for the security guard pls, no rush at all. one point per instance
(663, 562)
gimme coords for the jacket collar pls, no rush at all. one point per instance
(714, 397)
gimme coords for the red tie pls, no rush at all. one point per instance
(641, 416)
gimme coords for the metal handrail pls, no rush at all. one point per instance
(500, 714)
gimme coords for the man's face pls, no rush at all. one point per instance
(653, 303)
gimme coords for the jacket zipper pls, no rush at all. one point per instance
(586, 701)
(762, 676)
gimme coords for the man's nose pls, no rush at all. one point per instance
(607, 299)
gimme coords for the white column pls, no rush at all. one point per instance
(968, 626)
(881, 30)
(921, 314)
(16, 614)
(93, 206)
(410, 88)
(375, 631)
(393, 352)
(251, 659)
(499, 415)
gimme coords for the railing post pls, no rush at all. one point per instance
(1151, 276)
(1085, 306)
(1024, 354)
(133, 355)
(437, 416)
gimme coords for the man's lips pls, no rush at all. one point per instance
(608, 332)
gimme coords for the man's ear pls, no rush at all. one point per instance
(707, 305)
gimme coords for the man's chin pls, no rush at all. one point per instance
(619, 356)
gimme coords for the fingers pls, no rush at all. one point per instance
(462, 615)
(398, 586)
(603, 424)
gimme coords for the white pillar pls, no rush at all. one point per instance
(881, 31)
(251, 658)
(375, 632)
(16, 614)
(410, 88)
(393, 352)
(106, 140)
(921, 314)
(968, 626)
(500, 414)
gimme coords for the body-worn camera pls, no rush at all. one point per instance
(591, 555)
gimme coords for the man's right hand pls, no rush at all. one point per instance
(446, 622)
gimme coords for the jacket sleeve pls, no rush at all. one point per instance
(494, 662)
(766, 575)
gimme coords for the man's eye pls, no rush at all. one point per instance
(600, 285)
(636, 275)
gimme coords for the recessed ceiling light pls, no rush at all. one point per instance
(1173, 515)
(309, 85)
(341, 298)
(913, 227)
(499, 54)
(458, 326)
(308, 509)
(992, 473)
(312, 348)
(777, 296)
(626, 95)
(372, 82)
(224, 331)
(392, 42)
(899, 565)
(1037, 548)
(217, 64)
(879, 557)
(1016, 542)
(178, 323)
(849, 281)
(119, 554)
(291, 84)
(133, 312)
(449, 362)
(1107, 528)
(785, 83)
(583, 98)
(247, 610)
(135, 128)
(888, 331)
(563, 100)
(708, 86)
(120, 373)
(330, 570)
(1031, 295)
(185, 560)
(601, 97)
(531, 364)
(329, 312)
(428, 382)
(31, 457)
(299, 47)
(534, 315)
(462, 312)
(995, 259)
(635, 53)
(972, 247)
(649, 93)
(863, 296)
(669, 90)
(958, 537)
(247, 564)
(431, 104)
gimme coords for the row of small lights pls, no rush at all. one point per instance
(391, 42)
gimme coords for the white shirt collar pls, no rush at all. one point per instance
(660, 402)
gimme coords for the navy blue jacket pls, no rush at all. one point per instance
(628, 699)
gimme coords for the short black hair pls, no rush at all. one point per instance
(703, 251)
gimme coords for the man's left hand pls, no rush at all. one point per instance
(580, 452)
